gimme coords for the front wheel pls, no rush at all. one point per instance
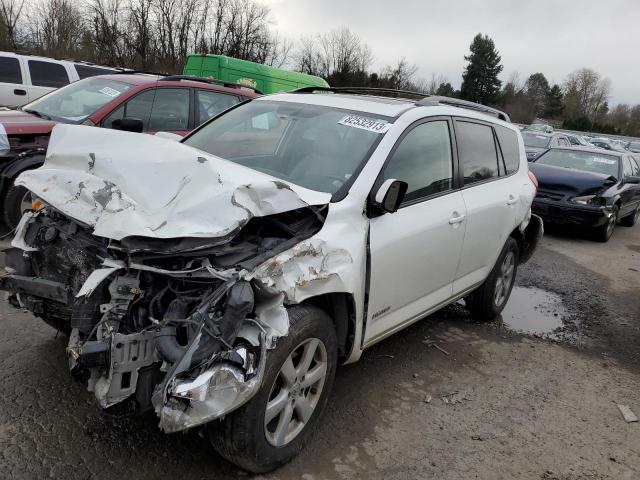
(603, 233)
(271, 428)
(489, 299)
(17, 200)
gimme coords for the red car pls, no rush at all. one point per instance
(133, 102)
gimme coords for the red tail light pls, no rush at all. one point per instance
(533, 179)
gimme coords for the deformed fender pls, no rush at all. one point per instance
(310, 268)
(532, 232)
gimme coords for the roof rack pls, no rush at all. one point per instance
(211, 81)
(363, 90)
(425, 99)
(456, 102)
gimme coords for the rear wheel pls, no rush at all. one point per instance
(271, 428)
(603, 233)
(630, 220)
(487, 302)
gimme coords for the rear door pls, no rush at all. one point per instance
(45, 76)
(414, 252)
(13, 92)
(491, 197)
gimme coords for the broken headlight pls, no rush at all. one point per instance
(588, 200)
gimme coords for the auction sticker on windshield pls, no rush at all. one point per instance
(364, 123)
(112, 92)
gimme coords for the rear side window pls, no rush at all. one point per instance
(508, 140)
(477, 151)
(47, 74)
(85, 71)
(211, 103)
(10, 70)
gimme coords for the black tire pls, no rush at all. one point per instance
(482, 303)
(12, 205)
(631, 219)
(603, 233)
(241, 437)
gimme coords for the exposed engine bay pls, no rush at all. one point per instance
(181, 333)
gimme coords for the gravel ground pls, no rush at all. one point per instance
(499, 405)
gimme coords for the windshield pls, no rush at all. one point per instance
(316, 147)
(583, 161)
(75, 102)
(635, 145)
(537, 141)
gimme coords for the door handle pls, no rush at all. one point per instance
(456, 218)
(20, 92)
(512, 200)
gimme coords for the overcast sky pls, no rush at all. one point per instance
(552, 37)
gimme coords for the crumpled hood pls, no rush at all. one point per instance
(128, 184)
(570, 181)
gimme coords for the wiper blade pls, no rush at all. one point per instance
(38, 114)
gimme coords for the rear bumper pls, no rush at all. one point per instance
(562, 213)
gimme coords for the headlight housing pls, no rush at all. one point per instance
(588, 200)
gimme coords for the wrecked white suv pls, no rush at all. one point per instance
(222, 279)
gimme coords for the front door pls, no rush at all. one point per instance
(414, 252)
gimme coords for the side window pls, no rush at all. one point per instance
(161, 109)
(423, 159)
(10, 70)
(627, 169)
(634, 166)
(477, 151)
(85, 71)
(138, 107)
(170, 110)
(508, 140)
(211, 103)
(564, 142)
(47, 74)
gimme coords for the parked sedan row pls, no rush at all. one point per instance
(586, 186)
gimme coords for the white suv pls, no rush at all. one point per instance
(222, 279)
(23, 78)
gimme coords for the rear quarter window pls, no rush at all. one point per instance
(10, 70)
(508, 140)
(85, 71)
(47, 74)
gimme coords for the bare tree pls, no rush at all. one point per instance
(10, 14)
(401, 75)
(585, 92)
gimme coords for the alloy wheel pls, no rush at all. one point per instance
(505, 277)
(295, 392)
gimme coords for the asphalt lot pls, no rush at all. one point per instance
(489, 403)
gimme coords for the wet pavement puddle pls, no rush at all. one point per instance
(534, 311)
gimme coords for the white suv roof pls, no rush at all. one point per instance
(389, 107)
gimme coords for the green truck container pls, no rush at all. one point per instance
(262, 77)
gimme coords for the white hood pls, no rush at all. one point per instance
(129, 184)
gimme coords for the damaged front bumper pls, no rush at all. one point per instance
(189, 343)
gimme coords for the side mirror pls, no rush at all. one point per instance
(632, 179)
(128, 124)
(390, 195)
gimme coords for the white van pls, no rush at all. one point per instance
(23, 78)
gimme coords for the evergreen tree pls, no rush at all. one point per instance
(538, 90)
(555, 103)
(446, 90)
(480, 81)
